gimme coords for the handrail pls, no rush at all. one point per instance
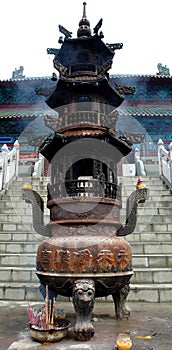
(9, 163)
(165, 163)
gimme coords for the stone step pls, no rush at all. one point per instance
(10, 227)
(9, 204)
(133, 179)
(13, 226)
(18, 274)
(14, 210)
(14, 236)
(141, 275)
(156, 198)
(7, 201)
(150, 184)
(129, 185)
(17, 197)
(21, 209)
(13, 218)
(20, 291)
(142, 237)
(148, 247)
(151, 247)
(14, 198)
(151, 275)
(152, 193)
(156, 187)
(18, 247)
(150, 207)
(126, 190)
(37, 180)
(142, 211)
(155, 293)
(146, 237)
(153, 217)
(155, 204)
(139, 260)
(153, 227)
(124, 180)
(23, 292)
(17, 213)
(17, 208)
(17, 259)
(152, 260)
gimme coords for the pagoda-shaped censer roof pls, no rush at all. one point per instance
(86, 136)
(83, 64)
(83, 97)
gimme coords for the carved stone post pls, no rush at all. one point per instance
(16, 147)
(160, 146)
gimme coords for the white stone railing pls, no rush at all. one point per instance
(165, 163)
(39, 167)
(9, 162)
(140, 168)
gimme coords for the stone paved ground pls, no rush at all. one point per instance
(151, 319)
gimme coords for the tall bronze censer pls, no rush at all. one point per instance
(83, 255)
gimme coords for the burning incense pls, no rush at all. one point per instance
(44, 319)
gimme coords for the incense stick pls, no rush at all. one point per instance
(52, 310)
(46, 308)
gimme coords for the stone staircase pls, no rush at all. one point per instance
(151, 243)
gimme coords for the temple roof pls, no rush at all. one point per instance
(146, 111)
(143, 111)
(125, 76)
(148, 89)
(17, 113)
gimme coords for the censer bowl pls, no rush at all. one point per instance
(57, 332)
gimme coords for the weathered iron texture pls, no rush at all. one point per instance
(83, 255)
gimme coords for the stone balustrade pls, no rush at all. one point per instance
(165, 163)
(9, 162)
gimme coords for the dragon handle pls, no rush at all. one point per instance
(31, 196)
(136, 197)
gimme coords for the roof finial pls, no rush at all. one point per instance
(84, 10)
(84, 25)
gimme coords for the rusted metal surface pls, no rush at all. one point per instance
(84, 211)
(83, 257)
(94, 255)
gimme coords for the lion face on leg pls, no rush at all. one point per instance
(83, 300)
